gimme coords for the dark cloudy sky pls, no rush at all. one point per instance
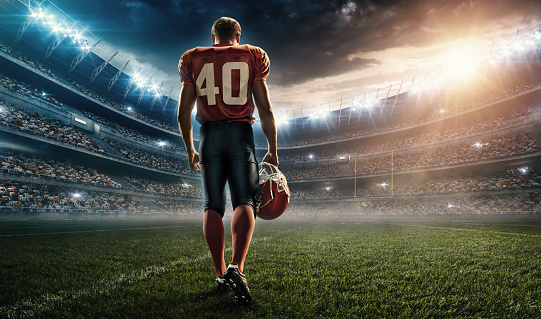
(319, 50)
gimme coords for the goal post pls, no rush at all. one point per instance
(364, 199)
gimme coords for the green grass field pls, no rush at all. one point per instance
(295, 269)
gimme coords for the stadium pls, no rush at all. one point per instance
(418, 199)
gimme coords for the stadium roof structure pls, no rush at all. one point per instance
(48, 34)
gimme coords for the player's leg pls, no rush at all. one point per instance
(213, 229)
(243, 181)
(242, 228)
(214, 180)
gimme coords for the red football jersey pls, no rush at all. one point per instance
(223, 75)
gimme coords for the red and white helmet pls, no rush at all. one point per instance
(273, 195)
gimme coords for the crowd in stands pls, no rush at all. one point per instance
(522, 178)
(27, 90)
(511, 203)
(25, 59)
(432, 114)
(146, 158)
(310, 157)
(17, 117)
(493, 148)
(442, 135)
(182, 207)
(433, 137)
(86, 91)
(451, 155)
(26, 164)
(182, 190)
(305, 172)
(443, 111)
(320, 209)
(133, 134)
(325, 193)
(19, 195)
(126, 109)
(523, 202)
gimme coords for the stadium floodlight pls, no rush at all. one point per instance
(319, 114)
(366, 103)
(281, 119)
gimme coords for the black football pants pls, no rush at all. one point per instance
(227, 154)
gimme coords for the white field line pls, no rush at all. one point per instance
(90, 231)
(34, 306)
(510, 225)
(475, 230)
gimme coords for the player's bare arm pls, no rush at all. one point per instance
(268, 124)
(184, 116)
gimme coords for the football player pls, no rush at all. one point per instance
(222, 79)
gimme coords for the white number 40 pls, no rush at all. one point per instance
(210, 91)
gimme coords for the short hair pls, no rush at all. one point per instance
(225, 28)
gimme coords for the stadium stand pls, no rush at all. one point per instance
(474, 150)
(16, 196)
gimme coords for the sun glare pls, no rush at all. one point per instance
(461, 62)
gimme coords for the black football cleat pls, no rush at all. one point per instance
(237, 282)
(221, 284)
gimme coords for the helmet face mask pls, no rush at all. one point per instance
(273, 195)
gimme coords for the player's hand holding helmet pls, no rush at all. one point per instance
(273, 195)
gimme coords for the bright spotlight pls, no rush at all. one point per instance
(384, 184)
(281, 119)
(129, 108)
(366, 103)
(162, 143)
(311, 156)
(76, 195)
(319, 114)
(461, 62)
(478, 145)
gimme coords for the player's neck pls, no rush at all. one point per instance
(232, 42)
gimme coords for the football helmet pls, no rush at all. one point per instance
(273, 195)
